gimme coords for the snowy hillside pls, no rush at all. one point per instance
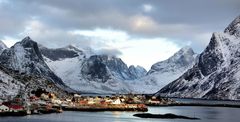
(9, 87)
(217, 73)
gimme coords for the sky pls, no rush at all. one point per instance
(140, 32)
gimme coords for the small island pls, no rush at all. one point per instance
(164, 116)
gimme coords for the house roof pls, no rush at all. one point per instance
(1, 105)
(16, 107)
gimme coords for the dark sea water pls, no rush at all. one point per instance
(208, 102)
(206, 114)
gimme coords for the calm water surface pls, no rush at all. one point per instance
(207, 114)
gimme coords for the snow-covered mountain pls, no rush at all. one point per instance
(164, 72)
(216, 75)
(104, 67)
(17, 80)
(26, 58)
(91, 73)
(137, 72)
(184, 58)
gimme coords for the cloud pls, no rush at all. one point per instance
(58, 23)
(103, 34)
(110, 52)
(142, 24)
(147, 51)
(133, 50)
(147, 7)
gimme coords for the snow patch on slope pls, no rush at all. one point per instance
(9, 87)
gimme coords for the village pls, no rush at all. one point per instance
(46, 103)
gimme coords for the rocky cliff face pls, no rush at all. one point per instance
(103, 67)
(217, 72)
(61, 53)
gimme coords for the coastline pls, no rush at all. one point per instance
(132, 107)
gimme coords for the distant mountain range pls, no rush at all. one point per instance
(214, 74)
(75, 70)
(91, 74)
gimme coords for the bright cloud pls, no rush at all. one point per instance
(134, 50)
(147, 7)
(103, 34)
(147, 51)
(142, 23)
(139, 51)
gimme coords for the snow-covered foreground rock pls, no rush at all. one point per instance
(164, 72)
(216, 75)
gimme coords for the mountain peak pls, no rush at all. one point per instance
(137, 71)
(186, 50)
(234, 27)
(28, 42)
(72, 47)
(184, 59)
(27, 38)
(185, 53)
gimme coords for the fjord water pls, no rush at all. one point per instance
(206, 114)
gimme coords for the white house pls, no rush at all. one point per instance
(117, 101)
(4, 108)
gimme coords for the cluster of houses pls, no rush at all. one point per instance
(120, 99)
(90, 100)
(159, 101)
(7, 107)
(48, 101)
